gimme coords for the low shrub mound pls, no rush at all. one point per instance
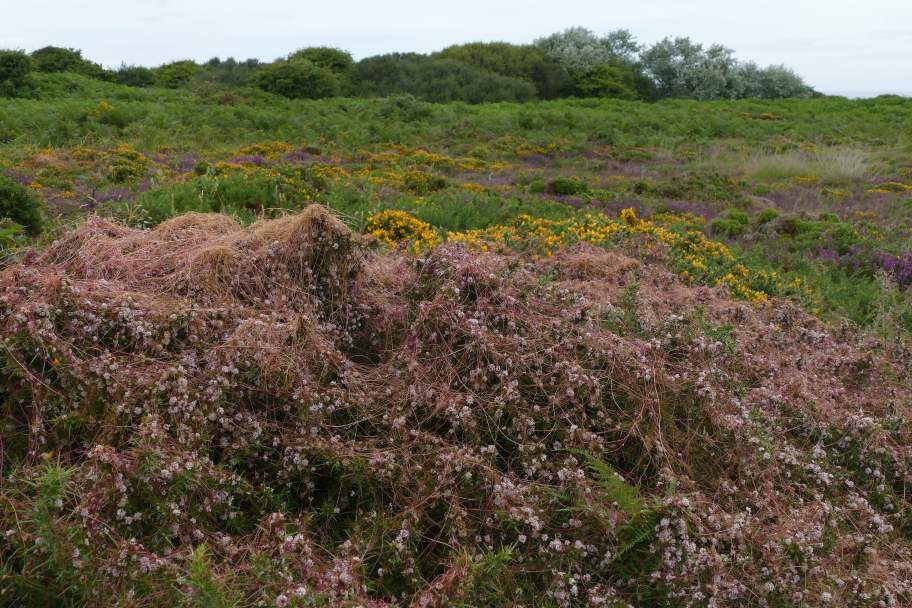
(276, 415)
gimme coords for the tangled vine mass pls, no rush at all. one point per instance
(282, 415)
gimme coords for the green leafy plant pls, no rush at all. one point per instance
(767, 215)
(20, 205)
(299, 79)
(15, 67)
(52, 59)
(171, 75)
(566, 186)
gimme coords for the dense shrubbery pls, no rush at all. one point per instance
(171, 75)
(527, 62)
(296, 79)
(613, 80)
(134, 76)
(228, 73)
(52, 59)
(15, 67)
(437, 80)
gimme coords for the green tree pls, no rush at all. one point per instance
(527, 62)
(613, 80)
(299, 79)
(134, 76)
(437, 80)
(337, 61)
(51, 59)
(171, 75)
(15, 67)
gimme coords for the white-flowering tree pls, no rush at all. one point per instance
(772, 82)
(684, 70)
(680, 68)
(579, 49)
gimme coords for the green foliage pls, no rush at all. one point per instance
(52, 59)
(227, 74)
(767, 215)
(613, 80)
(20, 205)
(438, 81)
(728, 227)
(739, 216)
(335, 60)
(299, 79)
(527, 62)
(15, 67)
(134, 76)
(203, 590)
(403, 107)
(171, 75)
(566, 186)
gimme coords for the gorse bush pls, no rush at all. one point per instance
(298, 79)
(20, 205)
(437, 80)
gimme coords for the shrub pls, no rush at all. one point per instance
(767, 215)
(527, 62)
(134, 76)
(438, 81)
(19, 204)
(404, 107)
(739, 216)
(229, 73)
(15, 67)
(300, 79)
(335, 60)
(53, 59)
(613, 80)
(728, 227)
(171, 75)
(566, 186)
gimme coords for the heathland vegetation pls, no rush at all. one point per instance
(574, 323)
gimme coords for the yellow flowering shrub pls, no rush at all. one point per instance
(393, 227)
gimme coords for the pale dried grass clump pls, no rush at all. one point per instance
(341, 428)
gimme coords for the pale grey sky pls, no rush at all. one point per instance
(839, 46)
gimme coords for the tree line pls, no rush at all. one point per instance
(573, 63)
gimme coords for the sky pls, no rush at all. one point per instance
(847, 47)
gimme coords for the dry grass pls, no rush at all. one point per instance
(828, 164)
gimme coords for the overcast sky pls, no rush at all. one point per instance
(839, 46)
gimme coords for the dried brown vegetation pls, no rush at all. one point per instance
(206, 412)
